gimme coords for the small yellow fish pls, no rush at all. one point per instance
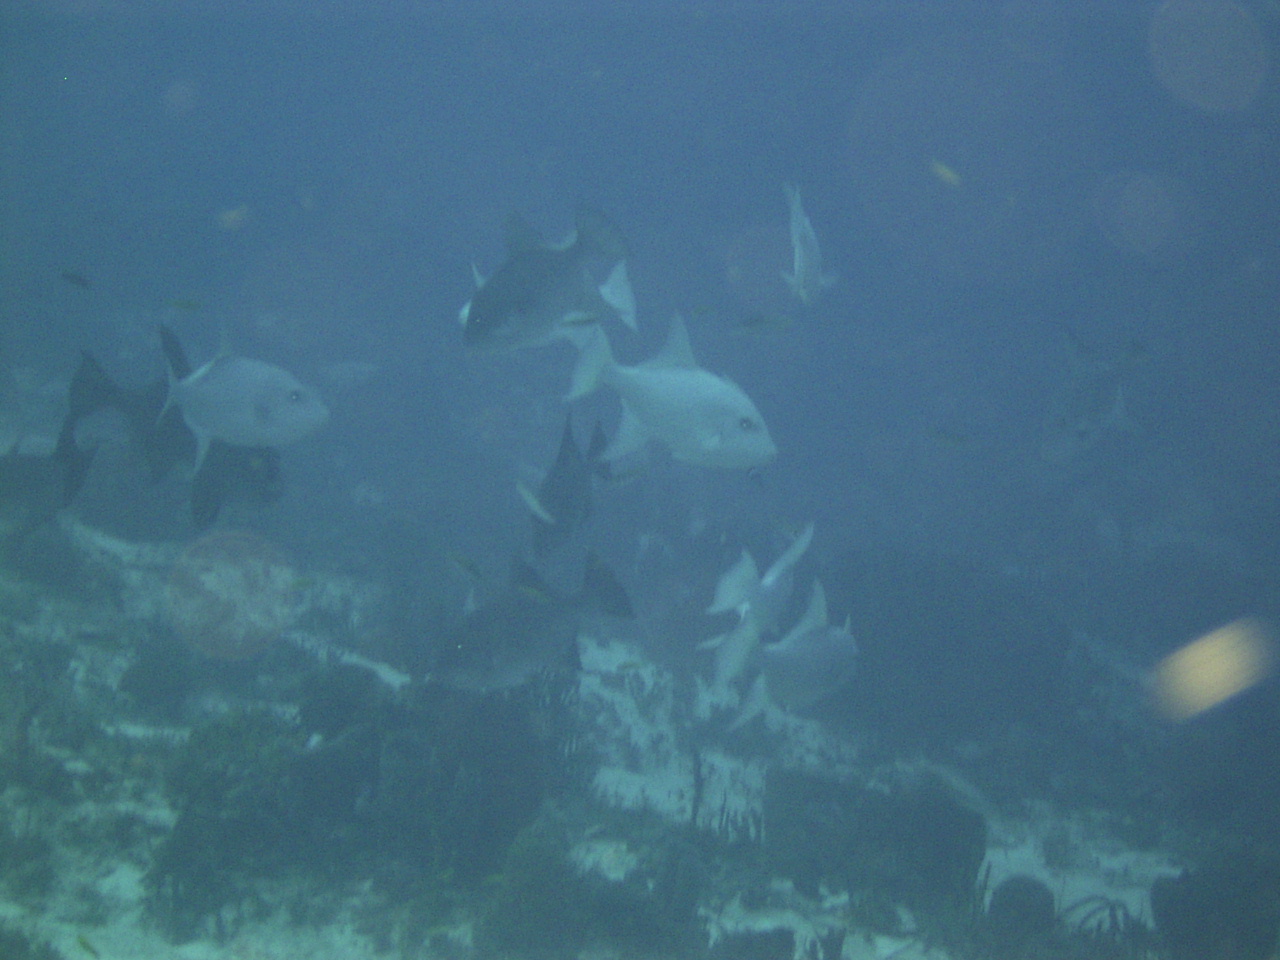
(945, 173)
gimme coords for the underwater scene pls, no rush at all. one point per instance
(602, 480)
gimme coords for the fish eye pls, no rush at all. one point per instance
(747, 425)
(295, 396)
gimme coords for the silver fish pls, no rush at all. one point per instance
(544, 292)
(806, 279)
(809, 664)
(243, 402)
(704, 419)
(758, 601)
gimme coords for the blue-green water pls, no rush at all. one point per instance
(1032, 419)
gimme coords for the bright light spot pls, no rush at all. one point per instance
(1217, 666)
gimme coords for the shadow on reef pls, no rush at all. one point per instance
(412, 796)
(1223, 911)
(914, 844)
(910, 849)
(567, 889)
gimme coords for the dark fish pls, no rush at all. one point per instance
(34, 487)
(543, 292)
(163, 438)
(228, 472)
(527, 630)
(565, 493)
(76, 279)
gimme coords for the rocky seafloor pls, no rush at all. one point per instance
(200, 757)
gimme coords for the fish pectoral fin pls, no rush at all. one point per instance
(676, 352)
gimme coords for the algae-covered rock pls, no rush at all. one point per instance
(576, 879)
(231, 784)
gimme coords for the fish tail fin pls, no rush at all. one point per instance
(74, 461)
(595, 358)
(602, 591)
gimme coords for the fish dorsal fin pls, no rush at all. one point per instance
(617, 293)
(476, 276)
(791, 556)
(677, 352)
(736, 586)
(520, 236)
